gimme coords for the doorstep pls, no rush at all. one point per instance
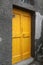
(25, 62)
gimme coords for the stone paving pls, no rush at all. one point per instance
(25, 62)
(36, 63)
(29, 62)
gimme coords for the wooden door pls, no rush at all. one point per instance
(21, 35)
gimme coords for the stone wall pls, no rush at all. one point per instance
(5, 32)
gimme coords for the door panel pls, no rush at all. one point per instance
(16, 49)
(26, 36)
(26, 48)
(16, 46)
(16, 26)
(26, 25)
(16, 55)
(26, 45)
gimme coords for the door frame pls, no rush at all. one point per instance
(32, 27)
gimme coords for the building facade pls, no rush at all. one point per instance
(6, 27)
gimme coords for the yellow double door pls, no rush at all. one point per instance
(21, 36)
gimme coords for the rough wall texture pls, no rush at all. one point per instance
(38, 25)
(39, 6)
(5, 32)
(23, 5)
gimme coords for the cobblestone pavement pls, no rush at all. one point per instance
(36, 63)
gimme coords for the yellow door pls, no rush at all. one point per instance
(16, 52)
(21, 36)
(26, 36)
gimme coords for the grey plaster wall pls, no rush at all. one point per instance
(38, 25)
(23, 5)
(39, 6)
(5, 31)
